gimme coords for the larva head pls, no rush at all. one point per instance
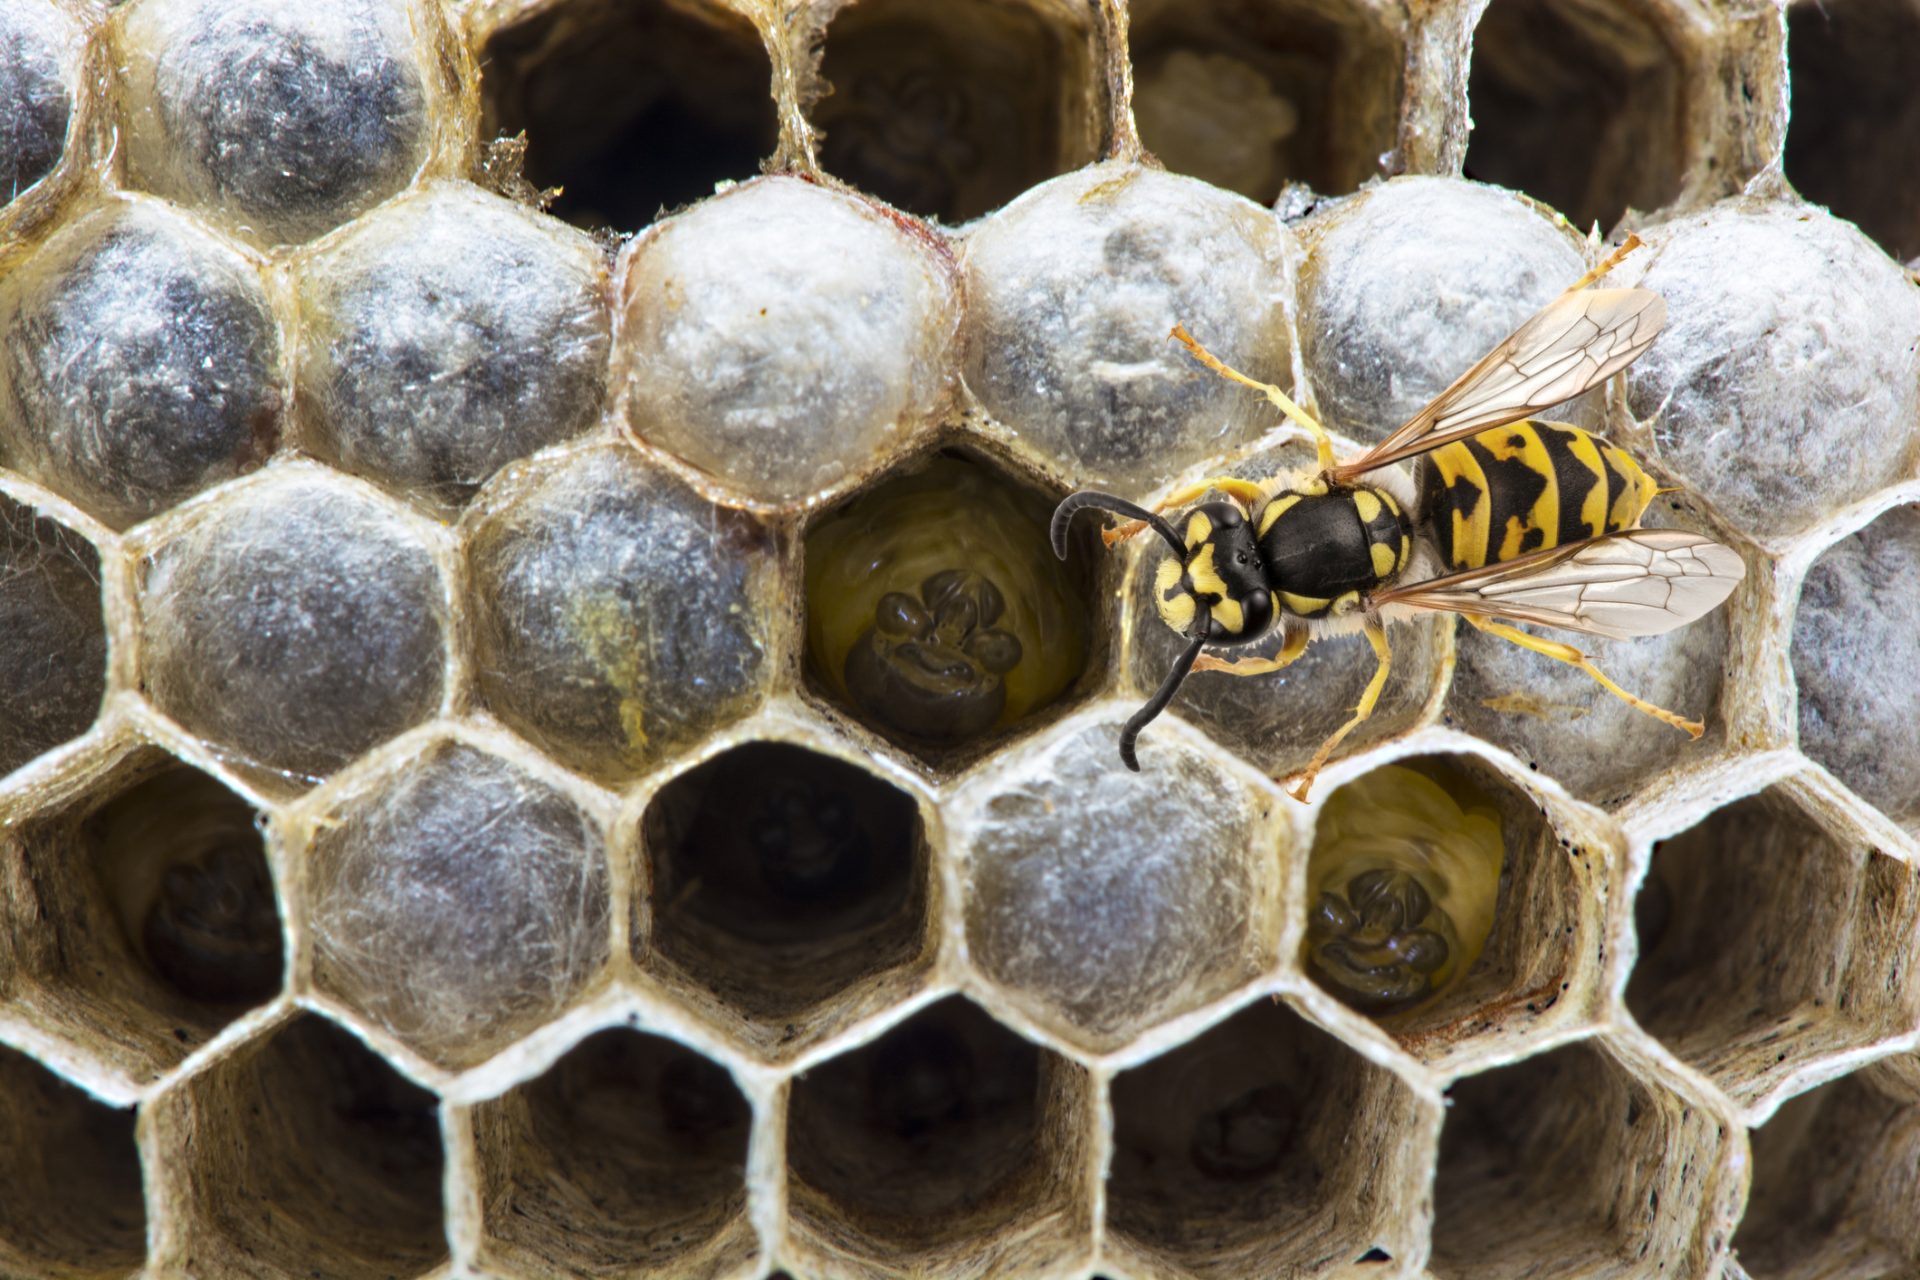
(1218, 573)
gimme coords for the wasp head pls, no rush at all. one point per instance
(1218, 572)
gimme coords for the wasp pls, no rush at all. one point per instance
(1531, 522)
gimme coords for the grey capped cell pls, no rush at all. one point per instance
(36, 92)
(287, 118)
(53, 663)
(141, 361)
(1072, 291)
(295, 625)
(783, 335)
(458, 903)
(447, 335)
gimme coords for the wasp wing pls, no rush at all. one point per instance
(1639, 583)
(1577, 341)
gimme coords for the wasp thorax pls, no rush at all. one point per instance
(1221, 573)
(931, 665)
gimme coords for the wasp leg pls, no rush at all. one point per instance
(1119, 533)
(1631, 243)
(1296, 644)
(1376, 633)
(1300, 417)
(1574, 658)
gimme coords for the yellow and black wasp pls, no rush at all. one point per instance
(1534, 522)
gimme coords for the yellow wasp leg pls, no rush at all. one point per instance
(1247, 492)
(1376, 633)
(1296, 644)
(1613, 260)
(1574, 658)
(1321, 440)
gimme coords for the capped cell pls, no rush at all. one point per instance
(1104, 901)
(620, 615)
(1072, 291)
(53, 666)
(783, 335)
(39, 76)
(141, 359)
(447, 335)
(457, 901)
(282, 121)
(648, 1133)
(295, 624)
(70, 1189)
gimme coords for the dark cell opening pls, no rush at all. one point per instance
(1578, 104)
(632, 106)
(1855, 115)
(951, 108)
(70, 1197)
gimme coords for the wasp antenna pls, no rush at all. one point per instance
(1158, 702)
(1074, 503)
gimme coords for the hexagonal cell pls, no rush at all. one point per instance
(1408, 284)
(303, 1153)
(1266, 1147)
(1560, 721)
(949, 110)
(53, 666)
(625, 1158)
(284, 120)
(1442, 904)
(1834, 1182)
(1251, 97)
(1106, 901)
(1857, 620)
(141, 362)
(1769, 391)
(937, 611)
(1768, 944)
(631, 108)
(1071, 293)
(1571, 1164)
(1580, 105)
(457, 901)
(780, 880)
(141, 911)
(1853, 113)
(295, 625)
(38, 76)
(70, 1195)
(619, 615)
(448, 335)
(906, 1153)
(782, 335)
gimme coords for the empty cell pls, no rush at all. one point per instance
(1768, 944)
(284, 120)
(70, 1194)
(936, 609)
(53, 666)
(303, 1153)
(631, 108)
(780, 878)
(448, 335)
(296, 625)
(141, 911)
(1106, 901)
(781, 336)
(1857, 625)
(1570, 1164)
(1581, 105)
(1853, 115)
(620, 616)
(1407, 285)
(1836, 1173)
(458, 903)
(1071, 293)
(141, 360)
(950, 109)
(1251, 97)
(1265, 1147)
(627, 1157)
(1770, 392)
(947, 1130)
(38, 75)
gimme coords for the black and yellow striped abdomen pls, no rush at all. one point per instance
(1525, 487)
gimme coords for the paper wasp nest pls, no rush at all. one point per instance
(535, 750)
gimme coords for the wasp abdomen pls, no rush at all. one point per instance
(1320, 548)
